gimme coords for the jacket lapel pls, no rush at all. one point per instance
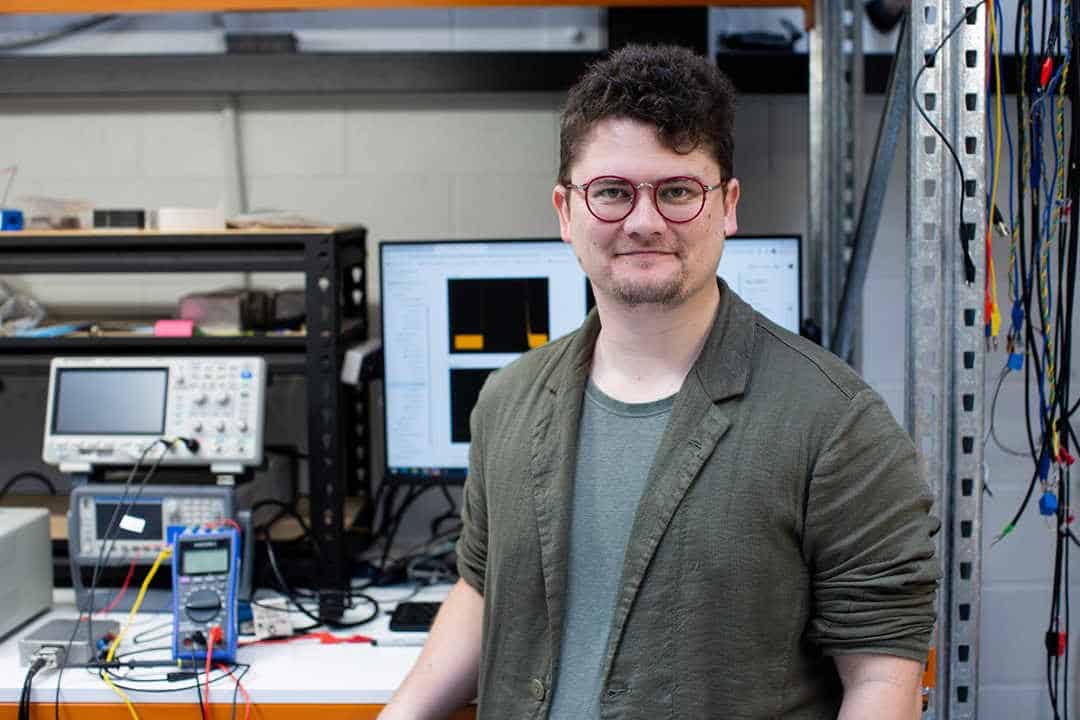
(699, 419)
(552, 470)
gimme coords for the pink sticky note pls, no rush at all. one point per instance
(174, 328)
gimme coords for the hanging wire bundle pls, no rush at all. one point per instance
(1031, 210)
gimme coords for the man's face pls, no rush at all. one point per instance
(645, 258)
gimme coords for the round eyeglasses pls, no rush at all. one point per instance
(611, 198)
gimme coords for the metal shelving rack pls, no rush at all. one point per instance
(946, 343)
(333, 264)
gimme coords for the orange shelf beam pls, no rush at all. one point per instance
(218, 711)
(147, 6)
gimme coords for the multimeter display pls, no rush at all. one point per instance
(205, 561)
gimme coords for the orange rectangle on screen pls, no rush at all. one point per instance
(468, 342)
(535, 340)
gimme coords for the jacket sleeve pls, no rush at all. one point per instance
(868, 539)
(473, 543)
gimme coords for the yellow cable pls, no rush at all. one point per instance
(122, 694)
(127, 623)
(164, 554)
(995, 312)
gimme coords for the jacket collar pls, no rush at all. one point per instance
(722, 368)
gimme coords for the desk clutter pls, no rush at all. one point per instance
(176, 587)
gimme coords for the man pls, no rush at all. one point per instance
(679, 510)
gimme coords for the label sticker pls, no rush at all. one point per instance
(132, 524)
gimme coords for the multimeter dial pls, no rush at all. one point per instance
(202, 606)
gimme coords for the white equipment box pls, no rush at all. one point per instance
(26, 565)
(110, 410)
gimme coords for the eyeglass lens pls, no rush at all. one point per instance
(677, 199)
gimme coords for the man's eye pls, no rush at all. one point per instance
(678, 193)
(611, 194)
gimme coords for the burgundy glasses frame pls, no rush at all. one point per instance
(706, 189)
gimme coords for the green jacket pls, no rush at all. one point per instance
(784, 521)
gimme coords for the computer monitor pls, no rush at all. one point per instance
(453, 312)
(766, 271)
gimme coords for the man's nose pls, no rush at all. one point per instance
(645, 218)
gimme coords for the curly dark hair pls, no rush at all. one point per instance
(691, 103)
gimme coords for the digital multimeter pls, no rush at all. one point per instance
(205, 574)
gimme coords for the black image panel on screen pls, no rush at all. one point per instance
(465, 384)
(497, 315)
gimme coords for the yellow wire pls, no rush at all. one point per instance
(127, 623)
(995, 312)
(165, 553)
(122, 694)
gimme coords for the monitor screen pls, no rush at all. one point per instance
(453, 312)
(110, 401)
(766, 272)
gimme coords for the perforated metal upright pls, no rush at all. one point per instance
(836, 90)
(945, 325)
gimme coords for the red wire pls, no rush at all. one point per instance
(209, 659)
(243, 691)
(324, 638)
(121, 591)
(231, 523)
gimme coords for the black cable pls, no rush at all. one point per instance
(992, 433)
(198, 690)
(105, 551)
(121, 682)
(235, 690)
(27, 475)
(66, 31)
(450, 515)
(965, 239)
(114, 526)
(297, 601)
(396, 519)
(24, 698)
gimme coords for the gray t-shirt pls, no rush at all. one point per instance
(616, 445)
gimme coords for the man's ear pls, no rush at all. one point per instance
(731, 201)
(560, 198)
